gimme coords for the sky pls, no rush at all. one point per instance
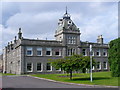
(39, 19)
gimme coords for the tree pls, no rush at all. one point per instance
(72, 63)
(114, 57)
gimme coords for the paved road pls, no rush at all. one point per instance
(30, 82)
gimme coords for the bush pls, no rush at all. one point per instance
(114, 57)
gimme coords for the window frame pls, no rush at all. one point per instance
(31, 67)
(39, 49)
(29, 49)
(49, 66)
(105, 65)
(93, 53)
(71, 40)
(59, 50)
(37, 67)
(85, 52)
(93, 67)
(99, 66)
(49, 50)
(98, 51)
(58, 69)
(105, 51)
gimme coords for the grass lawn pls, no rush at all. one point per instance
(5, 74)
(99, 78)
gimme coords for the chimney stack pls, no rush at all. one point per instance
(100, 39)
(19, 34)
(15, 39)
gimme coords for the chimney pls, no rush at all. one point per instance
(8, 43)
(19, 34)
(100, 39)
(15, 39)
(11, 45)
(11, 42)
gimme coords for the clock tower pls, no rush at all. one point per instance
(67, 32)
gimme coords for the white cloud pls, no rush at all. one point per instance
(39, 20)
(33, 24)
(97, 26)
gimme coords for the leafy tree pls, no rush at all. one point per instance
(114, 57)
(72, 63)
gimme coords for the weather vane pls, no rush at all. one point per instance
(66, 9)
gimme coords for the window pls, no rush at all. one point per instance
(71, 40)
(68, 52)
(92, 53)
(29, 67)
(58, 69)
(57, 52)
(84, 52)
(71, 51)
(98, 53)
(104, 52)
(29, 51)
(48, 67)
(38, 66)
(93, 68)
(98, 65)
(105, 65)
(39, 51)
(48, 51)
(74, 40)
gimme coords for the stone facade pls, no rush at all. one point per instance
(31, 55)
(1, 62)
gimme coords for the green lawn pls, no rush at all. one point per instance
(5, 74)
(99, 78)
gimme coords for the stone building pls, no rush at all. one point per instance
(1, 62)
(23, 55)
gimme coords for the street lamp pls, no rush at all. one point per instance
(91, 63)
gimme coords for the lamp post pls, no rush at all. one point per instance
(91, 63)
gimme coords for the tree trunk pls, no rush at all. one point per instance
(84, 70)
(70, 74)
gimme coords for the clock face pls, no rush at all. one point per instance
(69, 22)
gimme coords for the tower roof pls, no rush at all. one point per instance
(66, 15)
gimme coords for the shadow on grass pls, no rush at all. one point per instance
(72, 76)
(85, 79)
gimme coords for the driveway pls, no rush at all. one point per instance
(31, 82)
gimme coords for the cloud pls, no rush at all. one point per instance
(39, 20)
(32, 24)
(104, 22)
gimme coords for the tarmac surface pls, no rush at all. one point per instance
(31, 82)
